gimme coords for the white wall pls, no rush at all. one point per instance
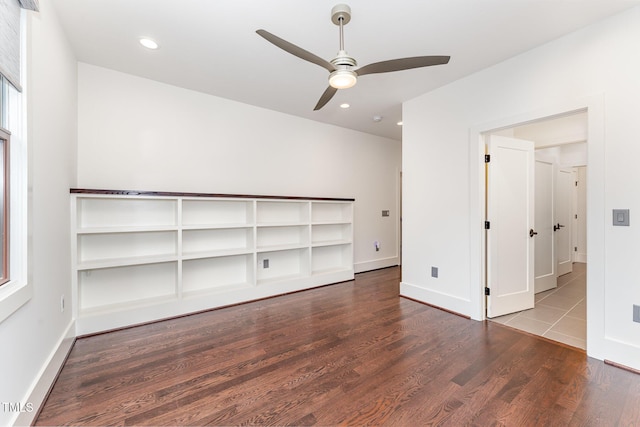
(592, 69)
(32, 337)
(139, 134)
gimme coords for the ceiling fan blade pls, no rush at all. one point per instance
(402, 64)
(295, 50)
(326, 97)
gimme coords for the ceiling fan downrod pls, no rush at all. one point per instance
(343, 77)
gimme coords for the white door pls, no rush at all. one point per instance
(510, 212)
(564, 222)
(545, 256)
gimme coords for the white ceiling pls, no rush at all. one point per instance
(211, 46)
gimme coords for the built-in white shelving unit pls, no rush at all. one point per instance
(144, 256)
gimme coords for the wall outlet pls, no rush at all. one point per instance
(265, 263)
(434, 272)
(62, 304)
(385, 213)
(636, 313)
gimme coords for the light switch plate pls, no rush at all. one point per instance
(636, 313)
(434, 272)
(621, 217)
(385, 213)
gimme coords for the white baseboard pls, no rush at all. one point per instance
(579, 257)
(375, 264)
(46, 377)
(441, 300)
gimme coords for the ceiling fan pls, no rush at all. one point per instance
(343, 73)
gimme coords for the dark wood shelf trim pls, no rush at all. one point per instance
(182, 194)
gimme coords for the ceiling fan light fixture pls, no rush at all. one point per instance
(342, 79)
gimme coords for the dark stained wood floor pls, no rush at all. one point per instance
(348, 354)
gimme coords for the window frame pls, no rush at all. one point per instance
(5, 138)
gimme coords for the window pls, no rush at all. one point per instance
(15, 289)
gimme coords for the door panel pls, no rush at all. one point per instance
(545, 257)
(510, 210)
(564, 198)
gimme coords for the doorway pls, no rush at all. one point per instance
(559, 300)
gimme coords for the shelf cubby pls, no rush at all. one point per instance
(282, 237)
(216, 213)
(219, 273)
(283, 265)
(126, 245)
(330, 234)
(221, 241)
(126, 286)
(331, 212)
(282, 212)
(107, 212)
(331, 258)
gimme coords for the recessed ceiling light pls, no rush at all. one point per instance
(399, 123)
(345, 105)
(377, 119)
(148, 43)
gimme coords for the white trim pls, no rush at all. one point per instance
(594, 105)
(437, 299)
(47, 376)
(375, 264)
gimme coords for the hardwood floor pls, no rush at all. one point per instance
(348, 354)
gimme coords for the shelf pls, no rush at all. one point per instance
(327, 271)
(122, 262)
(216, 254)
(216, 226)
(131, 229)
(148, 256)
(278, 248)
(128, 305)
(331, 243)
(278, 279)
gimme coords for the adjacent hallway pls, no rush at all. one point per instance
(560, 314)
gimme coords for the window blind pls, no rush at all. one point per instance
(10, 38)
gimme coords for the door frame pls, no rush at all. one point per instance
(594, 106)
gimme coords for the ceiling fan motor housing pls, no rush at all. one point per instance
(341, 11)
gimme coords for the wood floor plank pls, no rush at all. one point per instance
(353, 353)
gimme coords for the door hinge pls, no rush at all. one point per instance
(487, 291)
(487, 225)
(576, 183)
(576, 216)
(487, 158)
(575, 249)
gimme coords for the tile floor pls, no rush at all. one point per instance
(560, 314)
